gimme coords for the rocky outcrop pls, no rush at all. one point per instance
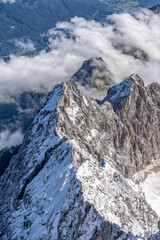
(138, 107)
(72, 176)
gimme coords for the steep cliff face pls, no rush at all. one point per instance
(68, 180)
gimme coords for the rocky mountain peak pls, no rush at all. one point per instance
(72, 178)
(118, 94)
(138, 108)
(135, 79)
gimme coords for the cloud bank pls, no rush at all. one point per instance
(128, 44)
(10, 139)
(8, 1)
(24, 44)
(116, 40)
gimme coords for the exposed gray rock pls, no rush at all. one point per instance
(138, 107)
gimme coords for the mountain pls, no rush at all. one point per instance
(23, 24)
(156, 9)
(73, 177)
(94, 73)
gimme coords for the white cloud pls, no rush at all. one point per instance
(8, 1)
(25, 45)
(10, 139)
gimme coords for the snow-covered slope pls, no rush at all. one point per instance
(149, 179)
(70, 179)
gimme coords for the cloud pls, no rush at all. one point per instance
(8, 1)
(124, 41)
(10, 139)
(121, 40)
(24, 45)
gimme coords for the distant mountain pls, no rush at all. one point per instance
(74, 175)
(19, 111)
(156, 8)
(94, 73)
(28, 20)
(15, 119)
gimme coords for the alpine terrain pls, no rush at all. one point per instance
(83, 167)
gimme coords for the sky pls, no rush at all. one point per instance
(116, 40)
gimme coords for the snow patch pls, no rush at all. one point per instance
(149, 179)
(113, 196)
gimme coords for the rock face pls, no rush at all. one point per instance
(72, 178)
(138, 107)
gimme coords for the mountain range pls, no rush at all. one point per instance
(81, 162)
(80, 170)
